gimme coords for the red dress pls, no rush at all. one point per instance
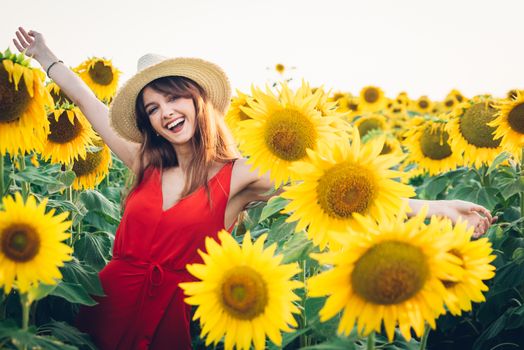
(144, 307)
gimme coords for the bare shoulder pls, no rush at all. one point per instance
(247, 182)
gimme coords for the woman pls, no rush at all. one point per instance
(166, 125)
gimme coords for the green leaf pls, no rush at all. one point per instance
(75, 272)
(499, 159)
(95, 202)
(274, 205)
(516, 187)
(40, 292)
(74, 293)
(487, 197)
(280, 230)
(36, 176)
(297, 248)
(27, 339)
(436, 186)
(94, 248)
(67, 334)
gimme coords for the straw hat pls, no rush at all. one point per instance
(208, 75)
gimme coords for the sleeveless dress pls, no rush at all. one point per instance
(144, 307)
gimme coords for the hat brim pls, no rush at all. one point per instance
(209, 76)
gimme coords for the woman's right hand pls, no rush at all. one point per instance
(32, 44)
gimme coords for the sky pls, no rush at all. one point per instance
(419, 46)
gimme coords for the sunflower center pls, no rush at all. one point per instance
(449, 103)
(434, 143)
(13, 103)
(289, 133)
(101, 74)
(352, 106)
(451, 284)
(346, 189)
(459, 97)
(423, 104)
(386, 149)
(371, 95)
(369, 124)
(243, 116)
(474, 128)
(20, 243)
(88, 165)
(62, 131)
(390, 273)
(516, 118)
(244, 293)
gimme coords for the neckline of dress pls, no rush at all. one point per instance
(159, 173)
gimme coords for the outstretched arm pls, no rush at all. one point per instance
(33, 44)
(476, 215)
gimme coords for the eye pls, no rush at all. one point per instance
(171, 98)
(151, 110)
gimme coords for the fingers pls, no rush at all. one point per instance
(28, 38)
(481, 227)
(17, 45)
(483, 211)
(21, 39)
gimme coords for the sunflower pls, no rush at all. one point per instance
(281, 130)
(351, 105)
(457, 96)
(509, 124)
(244, 293)
(23, 122)
(469, 131)
(340, 182)
(31, 248)
(280, 68)
(370, 122)
(100, 75)
(327, 108)
(372, 99)
(235, 115)
(423, 105)
(474, 258)
(449, 104)
(70, 134)
(93, 168)
(391, 144)
(390, 274)
(57, 94)
(429, 148)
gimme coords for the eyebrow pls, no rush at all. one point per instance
(165, 94)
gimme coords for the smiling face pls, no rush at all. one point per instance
(172, 117)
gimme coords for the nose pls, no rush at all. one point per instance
(168, 114)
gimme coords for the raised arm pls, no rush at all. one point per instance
(33, 44)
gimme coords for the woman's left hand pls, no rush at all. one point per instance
(476, 215)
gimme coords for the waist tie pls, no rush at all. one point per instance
(150, 268)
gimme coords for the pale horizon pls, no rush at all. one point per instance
(421, 47)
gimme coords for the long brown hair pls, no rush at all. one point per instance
(211, 141)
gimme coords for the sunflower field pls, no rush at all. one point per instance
(334, 260)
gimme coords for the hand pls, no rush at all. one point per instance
(31, 43)
(476, 215)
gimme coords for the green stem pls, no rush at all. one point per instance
(303, 337)
(2, 184)
(26, 188)
(424, 340)
(522, 192)
(26, 306)
(371, 341)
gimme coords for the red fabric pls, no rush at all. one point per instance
(144, 307)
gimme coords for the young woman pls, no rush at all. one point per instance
(166, 124)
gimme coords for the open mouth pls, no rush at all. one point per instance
(176, 125)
